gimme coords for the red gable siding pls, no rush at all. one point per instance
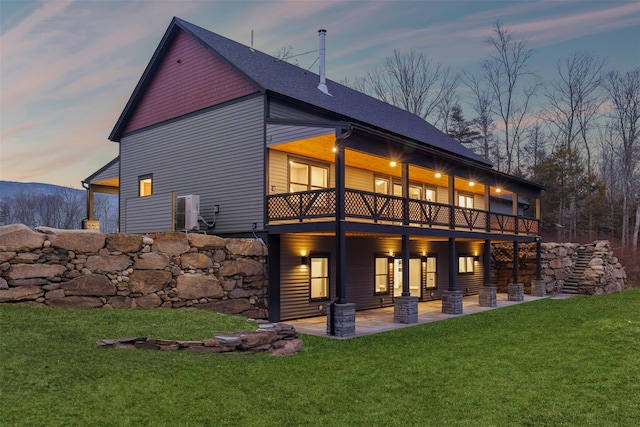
(198, 81)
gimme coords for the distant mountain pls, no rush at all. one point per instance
(38, 204)
(8, 189)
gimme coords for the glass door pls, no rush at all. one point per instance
(415, 277)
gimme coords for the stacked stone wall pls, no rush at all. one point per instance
(604, 273)
(82, 268)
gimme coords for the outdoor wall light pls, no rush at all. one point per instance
(423, 259)
(304, 260)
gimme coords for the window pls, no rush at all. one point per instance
(430, 195)
(145, 185)
(381, 275)
(381, 185)
(304, 176)
(465, 264)
(465, 201)
(319, 277)
(429, 269)
(415, 192)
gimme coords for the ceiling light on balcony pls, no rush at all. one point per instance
(498, 190)
(334, 149)
(392, 164)
(471, 183)
(438, 175)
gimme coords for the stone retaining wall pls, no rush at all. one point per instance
(604, 274)
(81, 268)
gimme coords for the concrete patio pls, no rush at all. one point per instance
(381, 319)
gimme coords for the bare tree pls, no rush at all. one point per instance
(624, 95)
(506, 71)
(573, 100)
(482, 105)
(411, 81)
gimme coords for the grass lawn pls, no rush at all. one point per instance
(573, 362)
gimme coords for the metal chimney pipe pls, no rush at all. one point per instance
(323, 81)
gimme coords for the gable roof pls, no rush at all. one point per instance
(274, 76)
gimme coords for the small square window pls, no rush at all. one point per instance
(145, 185)
(465, 264)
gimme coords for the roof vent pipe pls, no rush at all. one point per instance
(323, 82)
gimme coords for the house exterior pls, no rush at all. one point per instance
(345, 190)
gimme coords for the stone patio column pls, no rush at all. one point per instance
(488, 296)
(538, 288)
(405, 310)
(515, 291)
(452, 302)
(341, 320)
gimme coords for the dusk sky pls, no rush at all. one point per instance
(67, 68)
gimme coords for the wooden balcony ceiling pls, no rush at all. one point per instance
(108, 182)
(321, 148)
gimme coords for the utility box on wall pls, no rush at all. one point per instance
(187, 212)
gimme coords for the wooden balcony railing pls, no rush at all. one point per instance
(381, 208)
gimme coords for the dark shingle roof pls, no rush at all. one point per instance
(279, 77)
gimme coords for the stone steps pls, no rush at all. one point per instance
(571, 284)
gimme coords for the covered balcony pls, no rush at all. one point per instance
(387, 187)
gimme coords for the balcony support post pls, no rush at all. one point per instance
(452, 201)
(405, 237)
(516, 273)
(487, 262)
(341, 240)
(487, 198)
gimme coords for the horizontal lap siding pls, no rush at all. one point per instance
(281, 110)
(217, 155)
(278, 134)
(294, 280)
(358, 179)
(148, 214)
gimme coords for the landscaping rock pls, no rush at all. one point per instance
(21, 293)
(103, 264)
(26, 271)
(246, 247)
(19, 238)
(171, 243)
(89, 285)
(122, 242)
(196, 261)
(204, 241)
(242, 266)
(195, 286)
(148, 281)
(75, 302)
(86, 241)
(152, 261)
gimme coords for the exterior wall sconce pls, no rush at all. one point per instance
(391, 259)
(476, 258)
(423, 259)
(304, 260)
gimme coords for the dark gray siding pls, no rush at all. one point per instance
(277, 134)
(108, 173)
(218, 155)
(139, 210)
(281, 110)
(294, 279)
